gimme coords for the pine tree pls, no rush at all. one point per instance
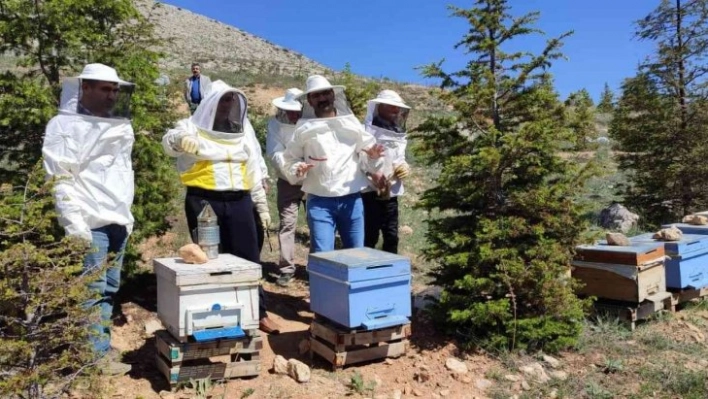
(607, 98)
(508, 221)
(580, 115)
(54, 39)
(660, 122)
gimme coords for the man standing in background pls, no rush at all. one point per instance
(196, 87)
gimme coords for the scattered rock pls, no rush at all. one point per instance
(406, 390)
(536, 371)
(407, 230)
(167, 395)
(397, 394)
(617, 217)
(280, 365)
(525, 385)
(617, 239)
(559, 375)
(466, 379)
(152, 325)
(483, 384)
(668, 234)
(423, 375)
(378, 381)
(553, 394)
(552, 361)
(426, 297)
(512, 378)
(388, 361)
(703, 362)
(456, 366)
(417, 393)
(304, 346)
(445, 392)
(298, 370)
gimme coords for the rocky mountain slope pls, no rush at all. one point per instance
(218, 46)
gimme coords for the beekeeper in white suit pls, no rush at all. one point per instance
(327, 152)
(87, 148)
(219, 161)
(386, 119)
(289, 196)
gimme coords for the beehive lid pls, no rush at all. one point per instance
(690, 244)
(226, 269)
(358, 257)
(636, 254)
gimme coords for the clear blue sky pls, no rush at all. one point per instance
(389, 38)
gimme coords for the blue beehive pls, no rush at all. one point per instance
(688, 266)
(360, 287)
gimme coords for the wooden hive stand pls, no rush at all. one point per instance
(630, 313)
(341, 346)
(689, 294)
(219, 359)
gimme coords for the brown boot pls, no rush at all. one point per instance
(267, 325)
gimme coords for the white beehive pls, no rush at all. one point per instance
(219, 294)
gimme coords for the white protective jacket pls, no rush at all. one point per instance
(279, 135)
(335, 146)
(395, 150)
(225, 161)
(91, 158)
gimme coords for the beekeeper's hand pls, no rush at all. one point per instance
(302, 169)
(189, 144)
(265, 219)
(376, 151)
(402, 171)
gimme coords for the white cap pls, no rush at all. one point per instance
(101, 72)
(318, 83)
(289, 102)
(390, 97)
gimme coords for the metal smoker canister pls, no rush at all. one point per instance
(208, 231)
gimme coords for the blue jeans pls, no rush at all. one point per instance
(325, 215)
(107, 239)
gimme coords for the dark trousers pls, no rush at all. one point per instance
(260, 232)
(380, 217)
(237, 226)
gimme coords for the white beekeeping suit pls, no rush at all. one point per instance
(227, 158)
(335, 146)
(280, 130)
(390, 134)
(90, 156)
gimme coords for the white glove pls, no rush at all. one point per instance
(402, 171)
(265, 219)
(189, 144)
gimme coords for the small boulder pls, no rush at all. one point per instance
(483, 384)
(456, 366)
(298, 370)
(551, 361)
(617, 239)
(696, 220)
(617, 217)
(193, 253)
(668, 234)
(535, 371)
(280, 365)
(559, 375)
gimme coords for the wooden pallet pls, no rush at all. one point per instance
(342, 347)
(687, 295)
(631, 313)
(219, 359)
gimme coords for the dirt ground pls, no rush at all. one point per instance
(420, 373)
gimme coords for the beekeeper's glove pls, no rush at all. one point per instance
(189, 144)
(402, 171)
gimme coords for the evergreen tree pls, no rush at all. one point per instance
(358, 93)
(508, 221)
(607, 98)
(660, 122)
(580, 116)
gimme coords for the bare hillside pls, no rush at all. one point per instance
(217, 46)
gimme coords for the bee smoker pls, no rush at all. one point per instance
(208, 231)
